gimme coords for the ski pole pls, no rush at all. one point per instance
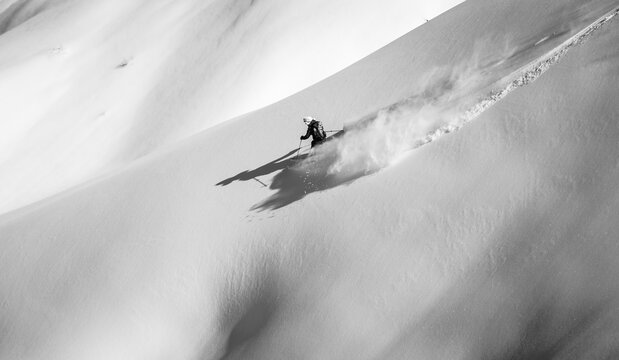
(298, 151)
(332, 130)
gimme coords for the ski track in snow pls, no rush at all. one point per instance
(402, 134)
(531, 73)
(358, 152)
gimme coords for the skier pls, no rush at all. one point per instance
(315, 130)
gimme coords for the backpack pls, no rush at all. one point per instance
(319, 131)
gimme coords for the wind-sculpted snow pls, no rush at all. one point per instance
(445, 104)
(19, 12)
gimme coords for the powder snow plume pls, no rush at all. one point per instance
(380, 139)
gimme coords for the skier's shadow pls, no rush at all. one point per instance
(290, 183)
(309, 175)
(298, 176)
(280, 163)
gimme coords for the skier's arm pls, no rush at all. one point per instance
(308, 134)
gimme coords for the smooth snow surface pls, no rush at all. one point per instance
(468, 212)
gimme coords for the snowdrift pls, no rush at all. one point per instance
(497, 240)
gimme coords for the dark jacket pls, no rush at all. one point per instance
(314, 130)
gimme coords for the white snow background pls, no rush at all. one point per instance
(156, 205)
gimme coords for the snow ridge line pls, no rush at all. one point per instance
(529, 75)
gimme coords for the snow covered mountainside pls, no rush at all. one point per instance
(468, 212)
(87, 87)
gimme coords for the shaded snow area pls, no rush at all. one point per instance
(463, 207)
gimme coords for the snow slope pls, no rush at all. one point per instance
(494, 241)
(88, 87)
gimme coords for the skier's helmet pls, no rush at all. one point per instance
(308, 119)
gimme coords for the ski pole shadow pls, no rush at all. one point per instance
(278, 164)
